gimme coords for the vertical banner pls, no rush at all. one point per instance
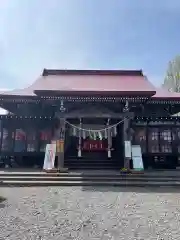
(49, 158)
(137, 157)
(127, 145)
(60, 146)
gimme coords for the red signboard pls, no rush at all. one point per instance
(95, 145)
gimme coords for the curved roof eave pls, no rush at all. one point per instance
(164, 94)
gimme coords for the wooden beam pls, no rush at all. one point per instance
(101, 115)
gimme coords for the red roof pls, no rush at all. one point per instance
(164, 94)
(115, 82)
(29, 91)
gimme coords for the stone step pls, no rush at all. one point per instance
(90, 161)
(90, 164)
(89, 173)
(85, 178)
(91, 167)
(88, 183)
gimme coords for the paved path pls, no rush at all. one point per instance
(89, 213)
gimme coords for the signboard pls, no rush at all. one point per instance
(60, 146)
(127, 149)
(49, 158)
(137, 157)
(95, 145)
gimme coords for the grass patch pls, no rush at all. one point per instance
(2, 199)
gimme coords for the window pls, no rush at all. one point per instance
(153, 140)
(154, 148)
(45, 138)
(166, 135)
(166, 140)
(177, 130)
(155, 136)
(20, 140)
(166, 148)
(32, 141)
(7, 140)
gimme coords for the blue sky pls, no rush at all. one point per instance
(82, 34)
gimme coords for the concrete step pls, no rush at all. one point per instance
(88, 183)
(106, 174)
(90, 160)
(91, 167)
(91, 163)
(85, 178)
(72, 174)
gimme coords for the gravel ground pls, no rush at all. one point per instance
(85, 213)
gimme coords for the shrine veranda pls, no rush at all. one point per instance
(93, 121)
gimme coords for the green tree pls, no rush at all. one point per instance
(172, 79)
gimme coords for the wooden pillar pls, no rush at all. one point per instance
(126, 133)
(80, 139)
(60, 135)
(60, 152)
(1, 139)
(126, 138)
(109, 139)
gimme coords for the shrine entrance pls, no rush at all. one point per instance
(103, 141)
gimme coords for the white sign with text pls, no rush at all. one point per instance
(137, 157)
(49, 158)
(127, 149)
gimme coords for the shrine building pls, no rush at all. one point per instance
(93, 113)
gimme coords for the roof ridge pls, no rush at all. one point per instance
(47, 72)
